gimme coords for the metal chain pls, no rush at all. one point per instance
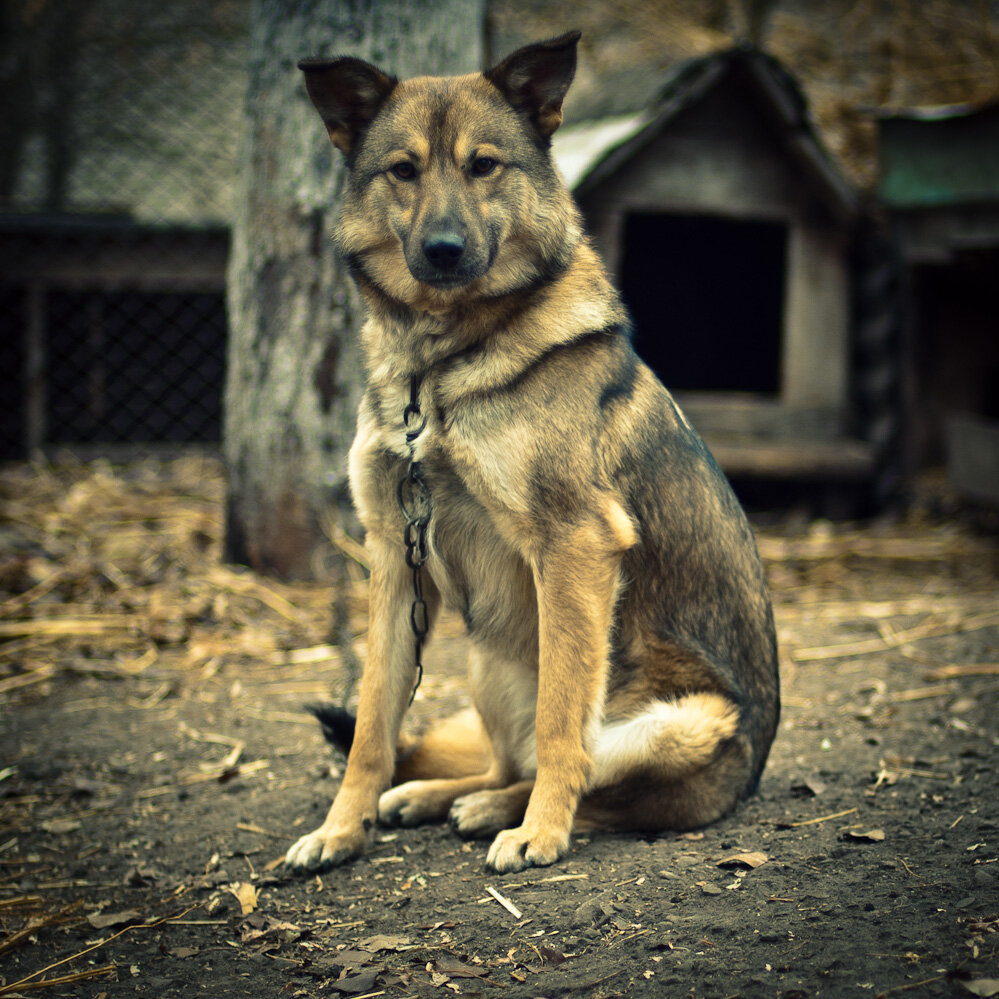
(414, 501)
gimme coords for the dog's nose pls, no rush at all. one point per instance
(444, 249)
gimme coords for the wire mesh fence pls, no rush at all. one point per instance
(118, 151)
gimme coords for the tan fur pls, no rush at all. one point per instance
(624, 666)
(454, 747)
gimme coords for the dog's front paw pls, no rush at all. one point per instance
(323, 848)
(515, 849)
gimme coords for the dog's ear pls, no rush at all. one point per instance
(347, 93)
(535, 79)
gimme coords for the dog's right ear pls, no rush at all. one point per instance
(347, 93)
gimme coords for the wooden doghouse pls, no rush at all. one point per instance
(940, 186)
(729, 231)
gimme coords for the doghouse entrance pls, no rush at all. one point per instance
(706, 295)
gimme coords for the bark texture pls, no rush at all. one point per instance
(294, 371)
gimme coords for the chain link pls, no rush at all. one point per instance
(414, 502)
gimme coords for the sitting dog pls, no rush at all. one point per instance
(517, 461)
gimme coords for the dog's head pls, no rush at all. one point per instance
(452, 193)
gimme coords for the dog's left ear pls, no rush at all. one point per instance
(535, 79)
(347, 93)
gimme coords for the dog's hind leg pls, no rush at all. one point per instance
(475, 753)
(487, 812)
(452, 759)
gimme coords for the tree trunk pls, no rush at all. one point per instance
(294, 370)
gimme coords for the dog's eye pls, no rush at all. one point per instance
(483, 165)
(404, 170)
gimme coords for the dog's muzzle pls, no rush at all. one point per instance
(445, 260)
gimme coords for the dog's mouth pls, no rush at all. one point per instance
(445, 281)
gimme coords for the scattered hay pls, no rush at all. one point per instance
(116, 571)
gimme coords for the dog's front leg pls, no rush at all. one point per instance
(576, 579)
(386, 686)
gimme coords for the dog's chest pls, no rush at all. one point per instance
(469, 535)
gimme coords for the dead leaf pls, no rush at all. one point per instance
(751, 860)
(89, 786)
(457, 969)
(982, 986)
(59, 827)
(103, 920)
(141, 877)
(246, 895)
(810, 787)
(357, 984)
(551, 956)
(185, 951)
(260, 929)
(869, 836)
(353, 958)
(382, 941)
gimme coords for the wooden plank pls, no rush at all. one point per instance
(35, 374)
(742, 414)
(973, 456)
(841, 460)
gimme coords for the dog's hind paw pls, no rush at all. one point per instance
(485, 813)
(321, 849)
(515, 849)
(410, 804)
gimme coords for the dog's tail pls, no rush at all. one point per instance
(453, 747)
(672, 738)
(337, 723)
(678, 764)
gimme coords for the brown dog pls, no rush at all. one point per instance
(624, 667)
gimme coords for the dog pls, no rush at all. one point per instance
(514, 459)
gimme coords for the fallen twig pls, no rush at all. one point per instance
(969, 669)
(864, 546)
(505, 902)
(928, 629)
(920, 693)
(26, 679)
(913, 985)
(28, 982)
(79, 976)
(225, 578)
(34, 925)
(823, 818)
(95, 625)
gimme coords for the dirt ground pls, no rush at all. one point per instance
(155, 764)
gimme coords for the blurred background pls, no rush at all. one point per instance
(819, 182)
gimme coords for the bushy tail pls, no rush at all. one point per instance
(338, 725)
(680, 764)
(669, 739)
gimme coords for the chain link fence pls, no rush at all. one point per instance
(118, 148)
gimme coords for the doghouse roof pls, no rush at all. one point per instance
(591, 151)
(939, 157)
